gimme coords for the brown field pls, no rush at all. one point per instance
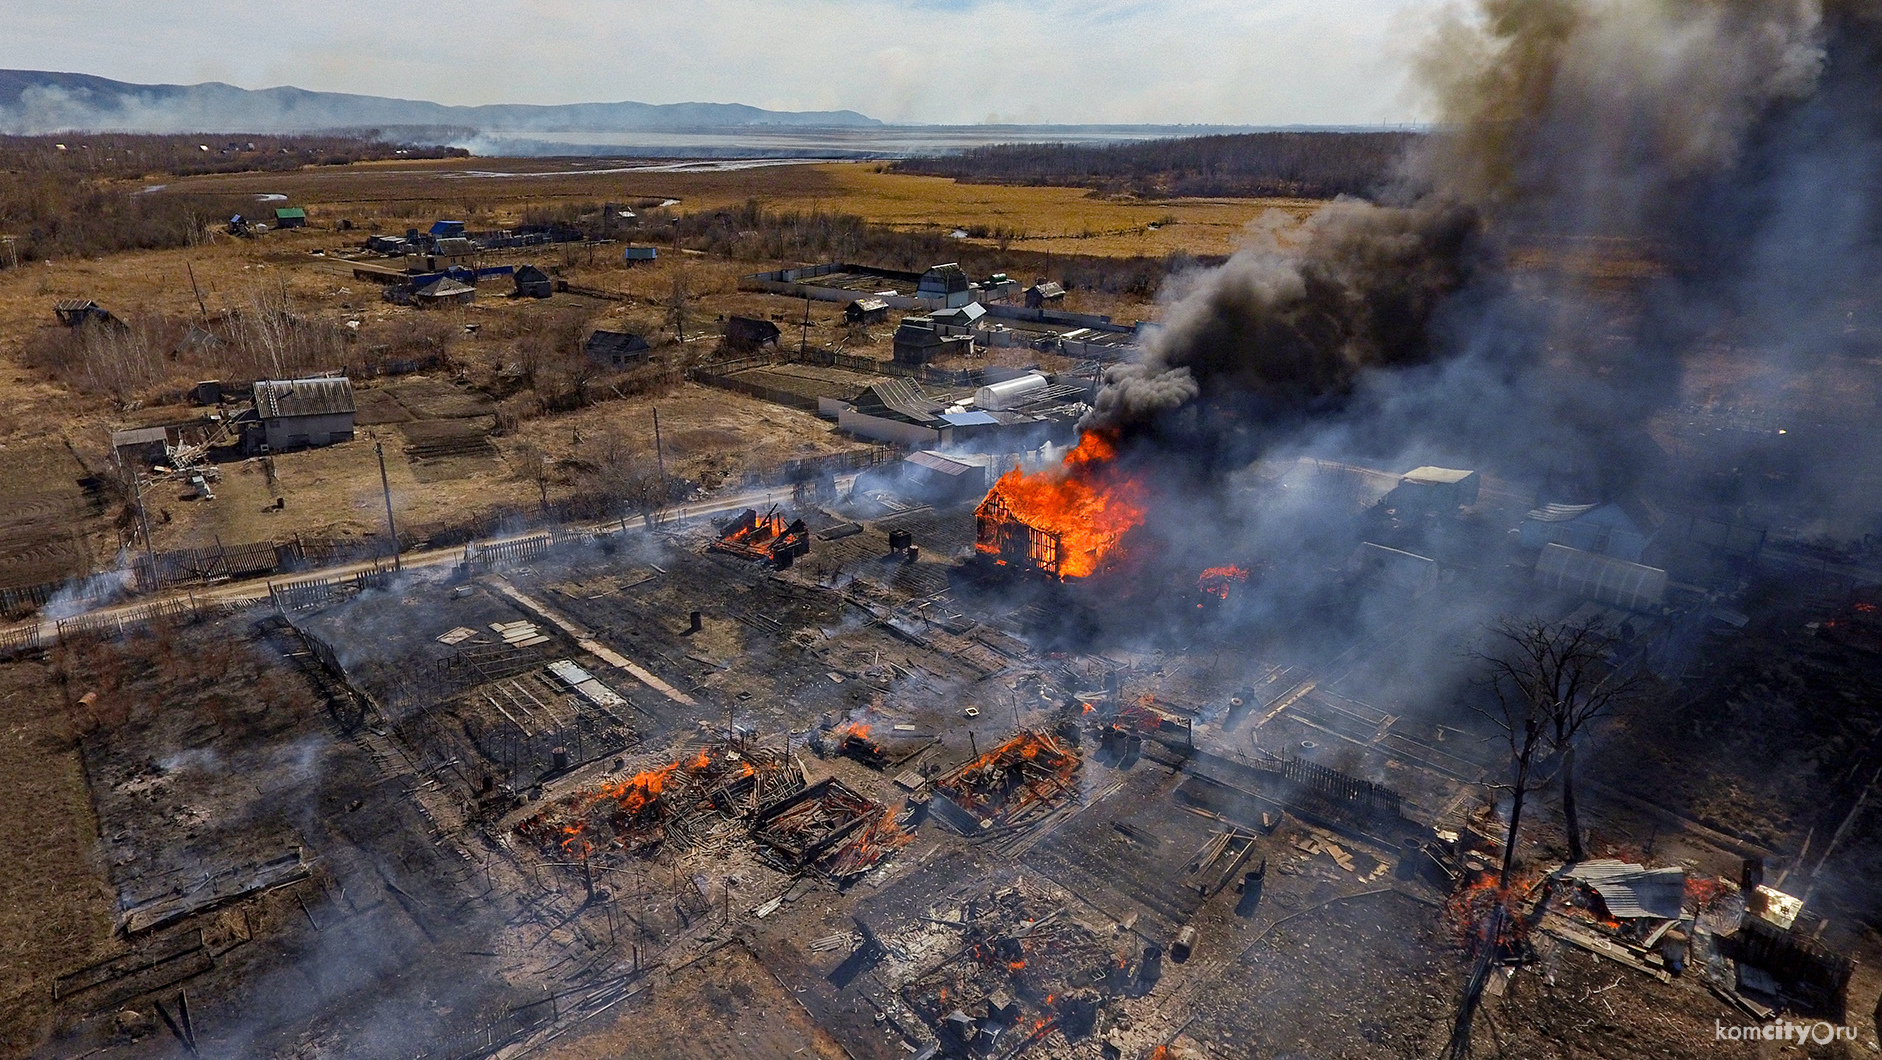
(51, 437)
(1060, 220)
(55, 904)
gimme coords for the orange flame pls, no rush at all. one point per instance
(1085, 503)
(1216, 581)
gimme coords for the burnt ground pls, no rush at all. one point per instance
(323, 854)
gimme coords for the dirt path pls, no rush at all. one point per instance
(250, 591)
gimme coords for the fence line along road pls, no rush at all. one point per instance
(44, 632)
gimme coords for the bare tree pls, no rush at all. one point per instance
(533, 464)
(1525, 727)
(678, 295)
(1562, 678)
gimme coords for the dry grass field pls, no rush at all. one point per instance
(55, 904)
(498, 191)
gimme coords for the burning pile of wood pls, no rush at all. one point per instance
(1009, 785)
(666, 804)
(831, 828)
(766, 538)
(864, 742)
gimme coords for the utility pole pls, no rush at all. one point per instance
(659, 455)
(150, 550)
(385, 485)
(803, 339)
(199, 293)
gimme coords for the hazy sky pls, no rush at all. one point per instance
(1264, 62)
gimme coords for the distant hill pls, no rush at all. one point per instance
(35, 102)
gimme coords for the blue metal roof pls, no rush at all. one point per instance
(968, 419)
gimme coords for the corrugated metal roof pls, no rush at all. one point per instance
(304, 397)
(1436, 475)
(1559, 513)
(614, 344)
(1604, 578)
(936, 462)
(140, 436)
(901, 396)
(445, 287)
(1631, 891)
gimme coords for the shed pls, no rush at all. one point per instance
(1607, 528)
(447, 230)
(919, 341)
(1435, 489)
(290, 217)
(616, 349)
(899, 399)
(75, 311)
(1395, 567)
(960, 318)
(442, 292)
(894, 410)
(1044, 292)
(1603, 579)
(142, 447)
(633, 254)
(749, 333)
(946, 285)
(940, 477)
(866, 311)
(532, 282)
(292, 413)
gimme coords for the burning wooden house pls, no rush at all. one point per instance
(830, 828)
(1063, 523)
(1009, 785)
(766, 538)
(672, 803)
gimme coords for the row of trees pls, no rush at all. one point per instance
(752, 232)
(1296, 164)
(83, 196)
(127, 156)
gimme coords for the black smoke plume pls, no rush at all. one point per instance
(1614, 188)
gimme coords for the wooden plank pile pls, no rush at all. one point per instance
(1016, 782)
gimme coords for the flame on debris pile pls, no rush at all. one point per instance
(631, 814)
(1030, 768)
(764, 537)
(1217, 581)
(1481, 913)
(1065, 521)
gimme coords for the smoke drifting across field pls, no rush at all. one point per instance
(1734, 144)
